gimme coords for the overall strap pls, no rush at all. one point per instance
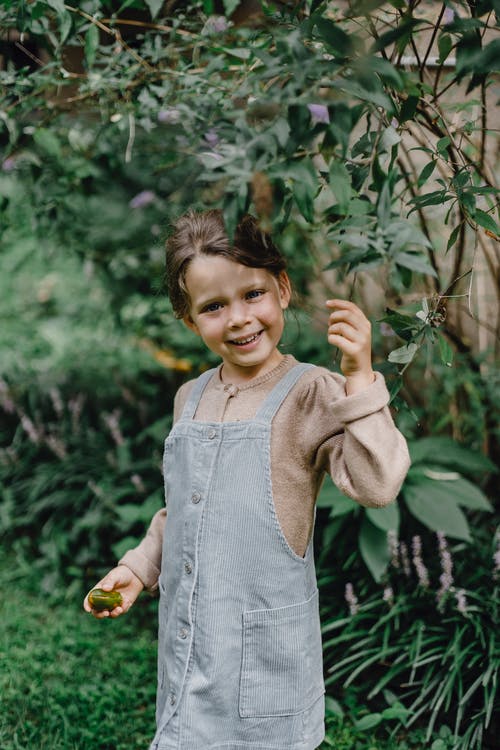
(280, 391)
(194, 397)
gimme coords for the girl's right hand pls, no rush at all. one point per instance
(119, 579)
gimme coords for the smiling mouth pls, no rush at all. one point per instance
(246, 340)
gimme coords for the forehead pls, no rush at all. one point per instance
(209, 275)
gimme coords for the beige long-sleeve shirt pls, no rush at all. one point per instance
(317, 429)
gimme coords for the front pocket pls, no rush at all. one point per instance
(282, 663)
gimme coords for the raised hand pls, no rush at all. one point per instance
(350, 330)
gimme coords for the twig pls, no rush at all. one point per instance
(147, 25)
(131, 137)
(434, 32)
(114, 33)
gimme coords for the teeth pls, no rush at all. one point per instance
(247, 340)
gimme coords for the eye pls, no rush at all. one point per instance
(255, 293)
(211, 307)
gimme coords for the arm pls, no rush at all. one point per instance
(368, 459)
(139, 567)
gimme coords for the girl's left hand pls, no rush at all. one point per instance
(350, 330)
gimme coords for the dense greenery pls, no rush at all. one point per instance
(361, 134)
(64, 688)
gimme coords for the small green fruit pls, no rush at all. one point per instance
(101, 600)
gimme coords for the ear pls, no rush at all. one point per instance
(191, 324)
(285, 289)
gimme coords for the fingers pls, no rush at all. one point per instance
(347, 324)
(350, 330)
(120, 579)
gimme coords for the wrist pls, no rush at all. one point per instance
(359, 381)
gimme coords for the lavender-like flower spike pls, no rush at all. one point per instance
(461, 601)
(111, 420)
(421, 570)
(496, 558)
(351, 599)
(392, 543)
(388, 596)
(405, 559)
(446, 577)
(142, 199)
(6, 402)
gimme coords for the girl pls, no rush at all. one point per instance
(239, 645)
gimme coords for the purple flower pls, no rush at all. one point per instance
(169, 116)
(496, 562)
(351, 599)
(5, 400)
(386, 330)
(30, 429)
(319, 113)
(392, 543)
(138, 483)
(405, 559)
(142, 199)
(461, 601)
(111, 420)
(422, 574)
(448, 16)
(215, 25)
(211, 138)
(388, 596)
(9, 164)
(446, 577)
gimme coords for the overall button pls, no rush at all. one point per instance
(195, 497)
(211, 434)
(183, 633)
(172, 698)
(188, 568)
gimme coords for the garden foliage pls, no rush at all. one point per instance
(362, 134)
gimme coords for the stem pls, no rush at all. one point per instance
(433, 37)
(114, 33)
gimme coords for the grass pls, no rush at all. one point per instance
(70, 682)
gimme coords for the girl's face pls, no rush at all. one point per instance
(238, 312)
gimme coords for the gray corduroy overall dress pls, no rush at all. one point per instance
(239, 646)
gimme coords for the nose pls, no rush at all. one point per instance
(238, 315)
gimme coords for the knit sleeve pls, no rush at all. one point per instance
(354, 439)
(145, 559)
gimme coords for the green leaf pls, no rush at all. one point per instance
(46, 140)
(333, 707)
(444, 451)
(230, 6)
(368, 722)
(331, 497)
(386, 519)
(415, 263)
(91, 44)
(445, 45)
(304, 198)
(453, 237)
(464, 493)
(155, 6)
(404, 354)
(374, 548)
(487, 222)
(443, 144)
(445, 351)
(340, 43)
(57, 5)
(340, 184)
(426, 173)
(434, 505)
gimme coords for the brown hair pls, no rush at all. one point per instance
(204, 233)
